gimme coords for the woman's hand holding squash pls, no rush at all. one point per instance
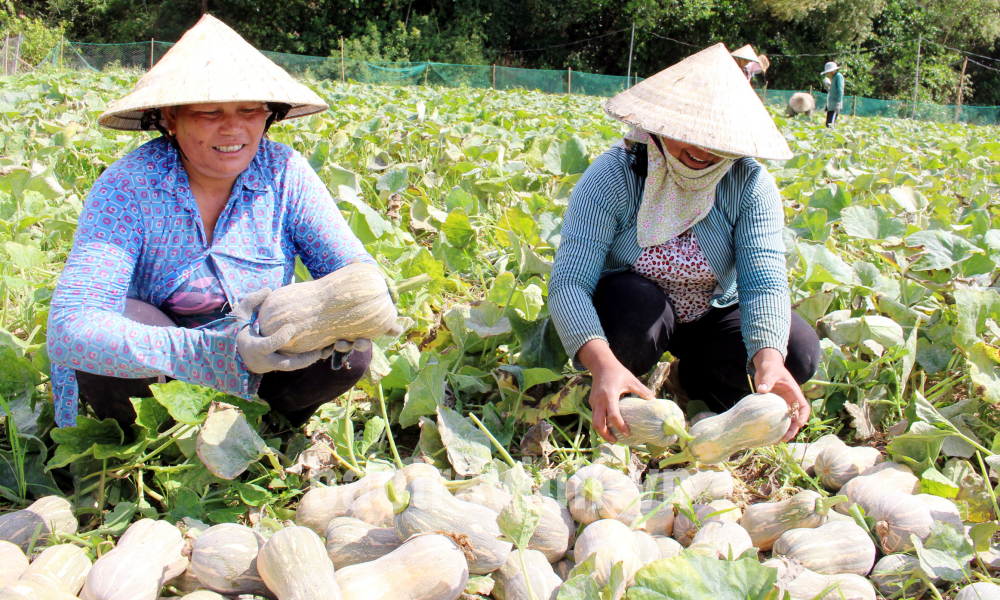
(259, 353)
(611, 381)
(773, 377)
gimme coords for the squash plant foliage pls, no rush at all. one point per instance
(892, 243)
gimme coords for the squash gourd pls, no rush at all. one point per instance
(805, 453)
(830, 549)
(137, 567)
(979, 591)
(427, 506)
(942, 509)
(48, 515)
(891, 573)
(349, 304)
(373, 507)
(65, 564)
(656, 423)
(351, 541)
(319, 506)
(204, 595)
(404, 476)
(804, 584)
(35, 589)
(609, 541)
(897, 517)
(702, 485)
(13, 563)
(555, 532)
(598, 492)
(668, 546)
(661, 518)
(874, 482)
(765, 522)
(425, 567)
(727, 539)
(836, 465)
(224, 559)
(756, 420)
(294, 565)
(718, 510)
(645, 547)
(511, 582)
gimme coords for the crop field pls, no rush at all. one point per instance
(892, 246)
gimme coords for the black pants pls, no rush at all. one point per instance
(831, 117)
(294, 394)
(640, 325)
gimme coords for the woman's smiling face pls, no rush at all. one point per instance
(692, 156)
(219, 140)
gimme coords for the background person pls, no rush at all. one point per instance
(835, 96)
(183, 238)
(672, 242)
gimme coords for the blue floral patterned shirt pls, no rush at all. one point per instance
(141, 236)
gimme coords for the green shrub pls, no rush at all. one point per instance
(39, 37)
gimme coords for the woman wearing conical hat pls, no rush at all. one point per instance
(183, 238)
(672, 243)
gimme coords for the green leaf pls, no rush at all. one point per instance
(226, 444)
(822, 265)
(26, 257)
(378, 224)
(945, 554)
(982, 535)
(425, 393)
(540, 343)
(118, 520)
(973, 308)
(431, 445)
(318, 158)
(150, 415)
(468, 448)
(984, 371)
(919, 451)
(186, 403)
(374, 429)
(392, 181)
(500, 428)
(88, 436)
(581, 587)
(942, 249)
(689, 576)
(458, 228)
(871, 223)
(537, 376)
(833, 201)
(933, 482)
(17, 376)
(519, 519)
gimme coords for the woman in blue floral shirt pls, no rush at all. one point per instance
(182, 239)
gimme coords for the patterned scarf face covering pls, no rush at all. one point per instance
(676, 196)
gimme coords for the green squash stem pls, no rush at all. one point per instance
(399, 501)
(674, 426)
(406, 285)
(681, 457)
(823, 505)
(592, 489)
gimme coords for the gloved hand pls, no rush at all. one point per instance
(260, 354)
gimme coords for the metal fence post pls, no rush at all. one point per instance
(343, 79)
(916, 81)
(427, 70)
(961, 91)
(494, 77)
(152, 52)
(569, 80)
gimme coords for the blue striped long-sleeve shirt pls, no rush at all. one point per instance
(740, 238)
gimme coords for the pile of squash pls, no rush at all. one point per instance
(413, 535)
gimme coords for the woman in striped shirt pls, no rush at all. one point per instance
(672, 242)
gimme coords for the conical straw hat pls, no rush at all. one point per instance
(211, 63)
(703, 100)
(746, 53)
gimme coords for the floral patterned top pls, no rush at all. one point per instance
(141, 236)
(680, 268)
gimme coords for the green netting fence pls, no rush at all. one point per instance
(98, 57)
(898, 109)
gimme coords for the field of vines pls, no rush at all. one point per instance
(893, 252)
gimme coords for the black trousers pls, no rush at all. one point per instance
(640, 325)
(294, 394)
(831, 117)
